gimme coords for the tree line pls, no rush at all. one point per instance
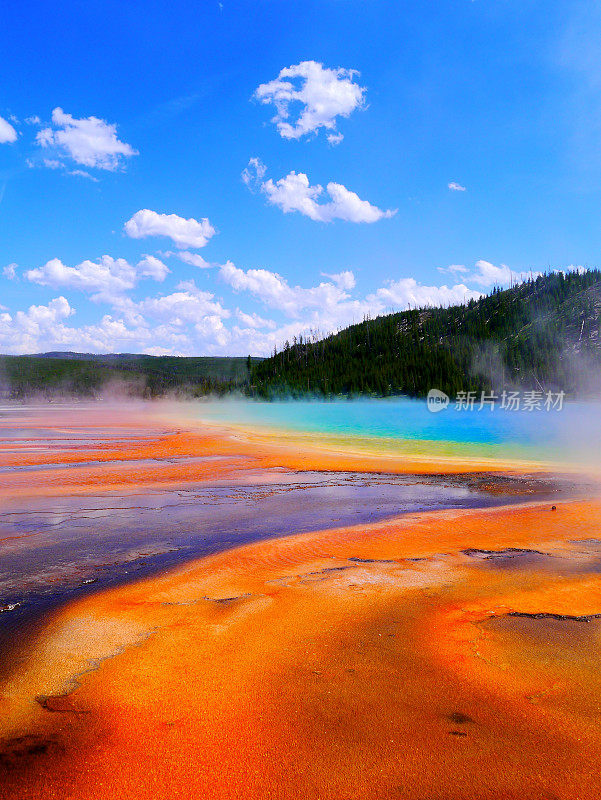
(541, 334)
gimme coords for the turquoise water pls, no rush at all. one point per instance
(573, 433)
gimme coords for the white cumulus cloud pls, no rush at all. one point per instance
(104, 279)
(456, 187)
(405, 292)
(488, 275)
(345, 280)
(275, 291)
(317, 94)
(254, 321)
(30, 331)
(326, 307)
(295, 193)
(187, 303)
(183, 232)
(91, 142)
(185, 322)
(153, 267)
(7, 133)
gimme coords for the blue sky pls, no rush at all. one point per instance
(215, 178)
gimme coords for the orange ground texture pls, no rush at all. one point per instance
(378, 661)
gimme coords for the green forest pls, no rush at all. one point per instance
(86, 375)
(542, 335)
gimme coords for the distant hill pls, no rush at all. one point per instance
(88, 375)
(541, 334)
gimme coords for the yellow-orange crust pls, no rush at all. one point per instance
(379, 661)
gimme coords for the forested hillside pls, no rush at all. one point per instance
(87, 375)
(542, 334)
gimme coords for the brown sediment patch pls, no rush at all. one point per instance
(16, 752)
(60, 703)
(510, 557)
(546, 616)
(388, 677)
